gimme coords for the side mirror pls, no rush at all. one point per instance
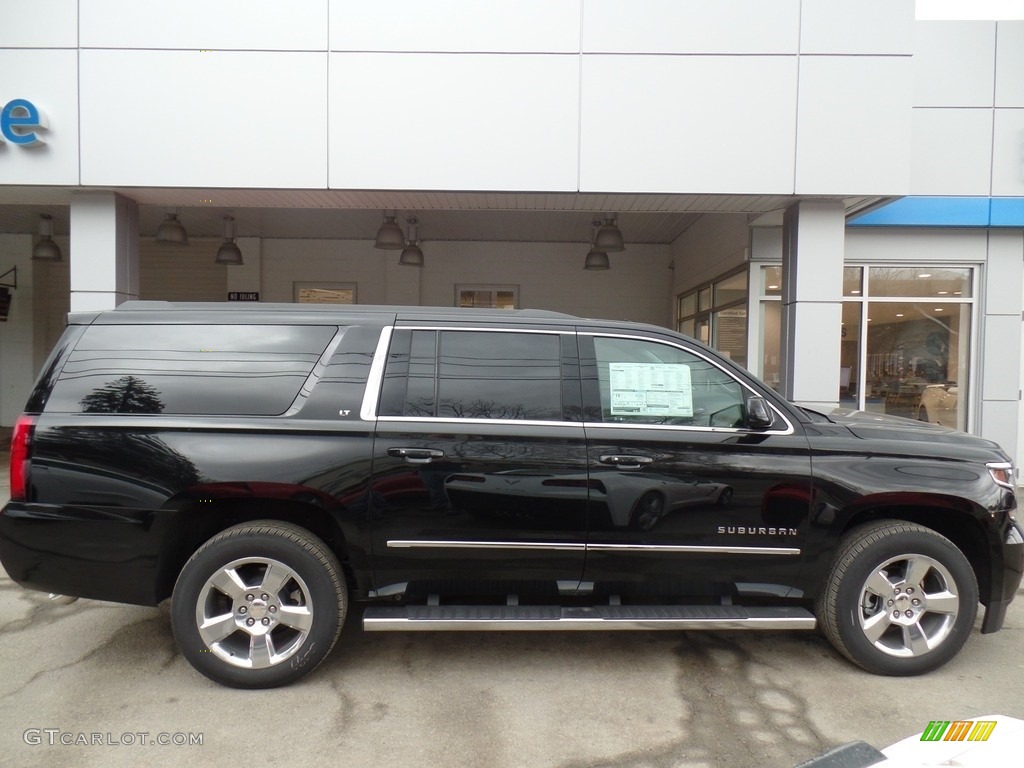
(759, 414)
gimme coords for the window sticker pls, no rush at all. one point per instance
(650, 389)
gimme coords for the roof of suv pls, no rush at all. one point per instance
(167, 312)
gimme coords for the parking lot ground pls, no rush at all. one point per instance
(99, 672)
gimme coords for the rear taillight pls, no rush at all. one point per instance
(21, 444)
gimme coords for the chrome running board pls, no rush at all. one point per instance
(524, 618)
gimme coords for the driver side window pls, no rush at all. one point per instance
(644, 382)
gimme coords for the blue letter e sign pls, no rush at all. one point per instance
(18, 120)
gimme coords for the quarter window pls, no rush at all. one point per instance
(189, 369)
(643, 382)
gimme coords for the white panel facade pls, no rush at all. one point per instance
(450, 121)
(262, 125)
(854, 125)
(952, 151)
(902, 245)
(1010, 64)
(40, 24)
(47, 79)
(866, 26)
(691, 26)
(999, 423)
(708, 129)
(202, 24)
(1000, 351)
(1008, 153)
(954, 64)
(502, 26)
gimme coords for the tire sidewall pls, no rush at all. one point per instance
(327, 603)
(849, 593)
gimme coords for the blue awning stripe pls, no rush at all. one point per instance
(946, 212)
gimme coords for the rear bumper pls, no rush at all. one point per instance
(80, 551)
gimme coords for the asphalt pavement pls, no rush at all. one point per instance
(108, 680)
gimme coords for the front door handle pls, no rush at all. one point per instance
(625, 461)
(416, 455)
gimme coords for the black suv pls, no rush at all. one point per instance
(484, 470)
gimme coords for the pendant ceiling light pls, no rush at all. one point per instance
(390, 236)
(596, 258)
(171, 231)
(229, 252)
(609, 238)
(45, 249)
(412, 254)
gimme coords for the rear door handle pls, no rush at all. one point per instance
(416, 455)
(625, 461)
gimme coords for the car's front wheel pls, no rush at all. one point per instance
(259, 605)
(900, 598)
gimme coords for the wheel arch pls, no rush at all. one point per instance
(959, 526)
(197, 520)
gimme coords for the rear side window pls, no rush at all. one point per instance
(474, 375)
(239, 370)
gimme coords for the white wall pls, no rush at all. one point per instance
(685, 96)
(549, 275)
(968, 120)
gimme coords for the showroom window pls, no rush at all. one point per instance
(770, 306)
(906, 341)
(716, 314)
(487, 296)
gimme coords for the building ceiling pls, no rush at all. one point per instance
(356, 215)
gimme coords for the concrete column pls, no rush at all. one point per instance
(247, 276)
(812, 294)
(104, 250)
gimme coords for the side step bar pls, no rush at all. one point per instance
(523, 618)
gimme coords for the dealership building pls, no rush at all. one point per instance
(831, 193)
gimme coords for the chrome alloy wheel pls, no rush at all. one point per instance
(908, 605)
(254, 613)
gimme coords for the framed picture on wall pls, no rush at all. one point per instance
(487, 296)
(324, 293)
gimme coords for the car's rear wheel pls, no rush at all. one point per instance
(900, 598)
(259, 605)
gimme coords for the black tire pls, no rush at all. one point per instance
(271, 599)
(648, 510)
(899, 600)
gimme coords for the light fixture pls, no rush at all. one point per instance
(171, 231)
(925, 274)
(609, 238)
(412, 254)
(45, 249)
(229, 252)
(899, 314)
(596, 257)
(596, 260)
(390, 236)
